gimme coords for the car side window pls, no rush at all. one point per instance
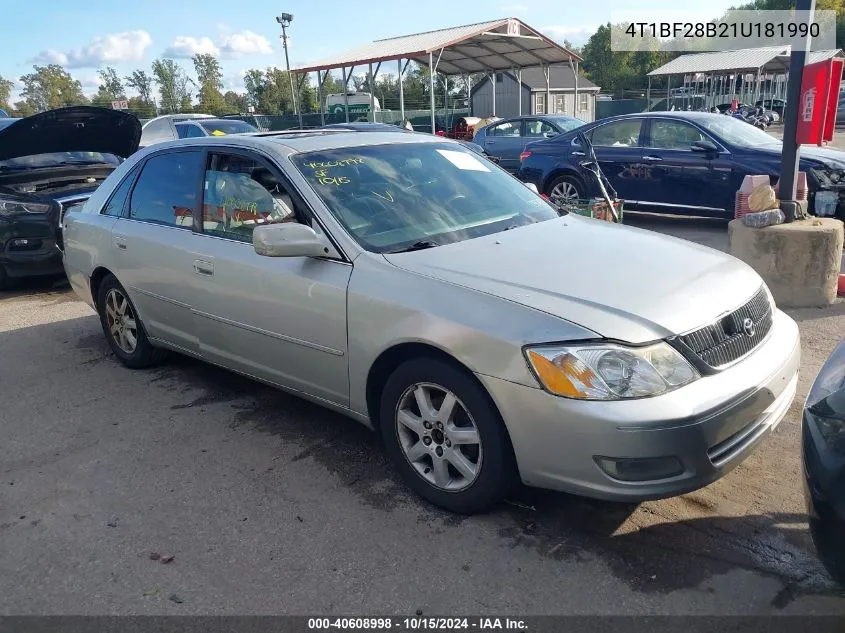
(156, 131)
(193, 131)
(505, 129)
(624, 133)
(673, 135)
(117, 201)
(240, 193)
(167, 189)
(182, 130)
(537, 129)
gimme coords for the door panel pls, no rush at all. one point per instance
(151, 247)
(281, 319)
(617, 147)
(680, 177)
(505, 141)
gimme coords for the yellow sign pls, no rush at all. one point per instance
(218, 133)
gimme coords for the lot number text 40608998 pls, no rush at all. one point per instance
(402, 624)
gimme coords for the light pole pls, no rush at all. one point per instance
(284, 20)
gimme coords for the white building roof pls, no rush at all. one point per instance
(768, 59)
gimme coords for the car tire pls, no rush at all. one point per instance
(436, 452)
(123, 327)
(827, 530)
(568, 188)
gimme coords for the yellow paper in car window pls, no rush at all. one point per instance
(218, 133)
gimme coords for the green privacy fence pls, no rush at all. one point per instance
(420, 119)
(605, 109)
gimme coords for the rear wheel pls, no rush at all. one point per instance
(123, 328)
(565, 189)
(445, 436)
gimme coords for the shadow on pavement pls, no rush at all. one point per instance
(30, 286)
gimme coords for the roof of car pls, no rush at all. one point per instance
(309, 140)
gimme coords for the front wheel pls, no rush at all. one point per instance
(565, 189)
(123, 328)
(445, 436)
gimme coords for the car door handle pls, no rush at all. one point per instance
(578, 154)
(491, 142)
(652, 159)
(120, 242)
(202, 267)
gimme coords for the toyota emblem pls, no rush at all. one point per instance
(748, 327)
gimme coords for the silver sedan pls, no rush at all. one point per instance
(421, 290)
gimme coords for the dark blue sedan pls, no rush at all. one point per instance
(689, 163)
(506, 138)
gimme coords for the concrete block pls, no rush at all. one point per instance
(799, 261)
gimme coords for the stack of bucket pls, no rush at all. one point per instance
(800, 189)
(749, 184)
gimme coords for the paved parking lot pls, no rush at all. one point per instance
(269, 504)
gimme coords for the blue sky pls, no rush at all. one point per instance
(84, 36)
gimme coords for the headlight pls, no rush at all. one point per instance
(16, 207)
(831, 377)
(610, 372)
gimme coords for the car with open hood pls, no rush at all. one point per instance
(406, 282)
(48, 163)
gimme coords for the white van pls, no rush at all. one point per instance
(359, 102)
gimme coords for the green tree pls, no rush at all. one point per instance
(174, 86)
(210, 82)
(22, 109)
(6, 86)
(141, 108)
(49, 87)
(111, 88)
(143, 83)
(234, 102)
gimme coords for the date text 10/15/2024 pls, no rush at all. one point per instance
(401, 624)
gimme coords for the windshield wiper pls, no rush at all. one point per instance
(82, 162)
(416, 246)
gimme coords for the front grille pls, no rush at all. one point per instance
(721, 343)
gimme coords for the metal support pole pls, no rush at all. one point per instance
(320, 98)
(446, 93)
(401, 91)
(757, 87)
(668, 89)
(575, 77)
(648, 95)
(431, 88)
(345, 93)
(372, 88)
(519, 88)
(290, 76)
(469, 94)
(548, 89)
(493, 80)
(790, 155)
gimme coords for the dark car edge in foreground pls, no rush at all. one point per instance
(688, 163)
(823, 442)
(50, 162)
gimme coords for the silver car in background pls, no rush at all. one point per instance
(415, 287)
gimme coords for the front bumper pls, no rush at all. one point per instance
(28, 246)
(709, 426)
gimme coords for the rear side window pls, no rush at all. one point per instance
(168, 189)
(156, 131)
(117, 202)
(623, 133)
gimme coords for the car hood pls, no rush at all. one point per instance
(73, 129)
(621, 282)
(830, 157)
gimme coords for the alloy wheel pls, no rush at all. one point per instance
(121, 322)
(438, 436)
(564, 192)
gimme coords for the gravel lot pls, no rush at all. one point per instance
(270, 505)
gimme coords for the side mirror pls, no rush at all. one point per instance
(289, 239)
(704, 146)
(532, 187)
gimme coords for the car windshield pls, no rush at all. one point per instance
(736, 132)
(222, 128)
(57, 159)
(408, 196)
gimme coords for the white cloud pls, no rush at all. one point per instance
(115, 48)
(90, 82)
(234, 81)
(578, 35)
(185, 46)
(513, 9)
(245, 43)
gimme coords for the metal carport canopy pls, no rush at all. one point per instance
(475, 48)
(486, 47)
